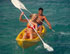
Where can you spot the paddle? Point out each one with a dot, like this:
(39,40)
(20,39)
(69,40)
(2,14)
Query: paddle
(20,6)
(23,7)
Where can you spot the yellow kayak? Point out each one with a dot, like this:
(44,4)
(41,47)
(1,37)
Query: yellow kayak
(26,43)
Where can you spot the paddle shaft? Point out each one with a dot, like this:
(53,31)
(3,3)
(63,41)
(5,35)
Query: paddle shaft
(46,46)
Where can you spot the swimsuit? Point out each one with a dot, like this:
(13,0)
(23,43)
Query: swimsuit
(38,25)
(31,27)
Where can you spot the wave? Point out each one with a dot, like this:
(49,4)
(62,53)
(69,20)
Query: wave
(38,47)
(65,33)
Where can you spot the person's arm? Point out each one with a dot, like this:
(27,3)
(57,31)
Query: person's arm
(36,27)
(22,20)
(47,22)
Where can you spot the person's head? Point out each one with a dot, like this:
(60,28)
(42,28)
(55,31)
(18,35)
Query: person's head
(40,10)
(34,17)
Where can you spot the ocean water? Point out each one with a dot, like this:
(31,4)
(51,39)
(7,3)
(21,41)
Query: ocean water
(57,13)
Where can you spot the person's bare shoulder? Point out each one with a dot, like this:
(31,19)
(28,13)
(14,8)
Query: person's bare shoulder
(44,16)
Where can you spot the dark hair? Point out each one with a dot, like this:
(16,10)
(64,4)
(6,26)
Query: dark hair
(40,9)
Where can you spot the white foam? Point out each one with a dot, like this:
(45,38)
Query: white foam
(38,47)
(65,33)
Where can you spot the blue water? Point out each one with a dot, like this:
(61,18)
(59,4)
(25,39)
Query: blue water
(56,11)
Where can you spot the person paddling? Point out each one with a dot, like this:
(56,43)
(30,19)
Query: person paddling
(41,18)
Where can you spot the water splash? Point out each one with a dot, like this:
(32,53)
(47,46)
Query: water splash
(38,47)
(65,33)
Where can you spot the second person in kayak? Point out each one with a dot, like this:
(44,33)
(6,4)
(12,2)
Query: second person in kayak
(30,27)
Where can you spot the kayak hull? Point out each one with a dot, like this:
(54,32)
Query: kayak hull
(26,43)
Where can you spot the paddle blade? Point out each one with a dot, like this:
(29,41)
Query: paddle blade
(18,4)
(22,5)
(49,48)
